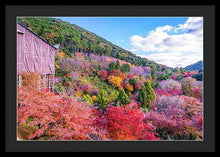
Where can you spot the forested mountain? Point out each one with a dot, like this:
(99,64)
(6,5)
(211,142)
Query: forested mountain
(73,38)
(194,67)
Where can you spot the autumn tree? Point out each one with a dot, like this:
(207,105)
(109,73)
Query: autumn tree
(103,74)
(115,81)
(117,73)
(129,88)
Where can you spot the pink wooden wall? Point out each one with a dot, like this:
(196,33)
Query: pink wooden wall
(33,54)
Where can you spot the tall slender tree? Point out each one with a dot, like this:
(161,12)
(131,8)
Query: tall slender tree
(122,98)
(118,66)
(146,96)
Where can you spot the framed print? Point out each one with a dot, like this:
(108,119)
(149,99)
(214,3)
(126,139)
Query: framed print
(111,78)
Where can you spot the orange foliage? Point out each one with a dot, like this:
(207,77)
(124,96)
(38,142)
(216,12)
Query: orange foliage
(117,73)
(108,59)
(32,81)
(79,56)
(43,115)
(115,81)
(129,88)
(61,54)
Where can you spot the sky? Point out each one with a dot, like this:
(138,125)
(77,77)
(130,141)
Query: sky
(172,41)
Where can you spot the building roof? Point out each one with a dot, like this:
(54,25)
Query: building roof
(56,47)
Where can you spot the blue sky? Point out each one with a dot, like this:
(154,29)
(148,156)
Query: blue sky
(155,38)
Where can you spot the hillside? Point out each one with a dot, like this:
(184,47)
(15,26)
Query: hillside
(194,67)
(98,95)
(73,38)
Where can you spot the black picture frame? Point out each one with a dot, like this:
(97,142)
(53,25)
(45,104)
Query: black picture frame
(13,11)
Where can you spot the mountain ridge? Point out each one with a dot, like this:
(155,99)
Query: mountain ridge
(195,66)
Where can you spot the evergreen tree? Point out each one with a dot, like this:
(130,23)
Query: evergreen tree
(154,71)
(151,81)
(146,96)
(111,66)
(142,96)
(122,98)
(101,100)
(149,77)
(118,66)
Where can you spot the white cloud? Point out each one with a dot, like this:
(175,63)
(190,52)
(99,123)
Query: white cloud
(173,59)
(183,47)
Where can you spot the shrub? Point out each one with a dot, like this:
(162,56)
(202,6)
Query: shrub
(169,105)
(125,123)
(32,81)
(45,116)
(88,99)
(176,117)
(173,92)
(59,88)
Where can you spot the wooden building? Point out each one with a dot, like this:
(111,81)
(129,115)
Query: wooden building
(34,54)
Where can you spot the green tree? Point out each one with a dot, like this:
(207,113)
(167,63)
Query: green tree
(101,100)
(84,44)
(122,98)
(154,71)
(100,49)
(118,66)
(108,50)
(149,77)
(146,96)
(111,66)
(125,68)
(177,70)
(151,81)
(163,76)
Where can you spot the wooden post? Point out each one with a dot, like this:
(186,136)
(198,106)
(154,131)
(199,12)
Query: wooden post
(52,82)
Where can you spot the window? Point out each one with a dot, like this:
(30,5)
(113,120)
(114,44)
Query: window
(50,82)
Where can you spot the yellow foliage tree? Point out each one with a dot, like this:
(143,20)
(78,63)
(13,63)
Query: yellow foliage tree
(115,81)
(129,88)
(124,55)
